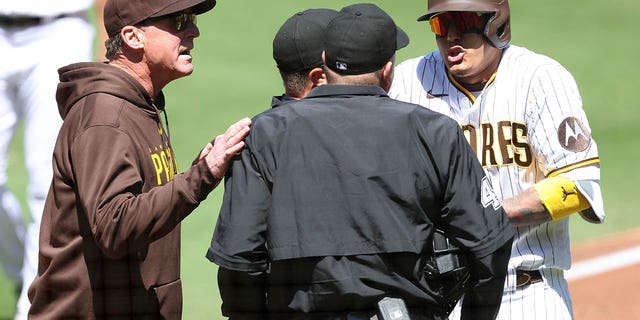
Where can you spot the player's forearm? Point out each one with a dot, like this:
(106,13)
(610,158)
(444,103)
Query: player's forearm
(526,209)
(553,198)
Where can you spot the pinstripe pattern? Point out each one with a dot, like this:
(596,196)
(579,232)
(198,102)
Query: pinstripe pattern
(513,127)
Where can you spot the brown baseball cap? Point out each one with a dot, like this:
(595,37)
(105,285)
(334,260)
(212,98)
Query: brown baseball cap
(120,13)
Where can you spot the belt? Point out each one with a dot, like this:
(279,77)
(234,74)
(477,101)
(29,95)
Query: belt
(527,277)
(29,21)
(414,314)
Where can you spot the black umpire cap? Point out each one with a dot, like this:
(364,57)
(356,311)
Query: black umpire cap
(361,39)
(299,43)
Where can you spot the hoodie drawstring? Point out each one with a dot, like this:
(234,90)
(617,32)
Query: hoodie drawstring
(167,135)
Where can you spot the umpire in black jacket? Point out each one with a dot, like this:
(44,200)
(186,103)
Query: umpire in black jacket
(333,203)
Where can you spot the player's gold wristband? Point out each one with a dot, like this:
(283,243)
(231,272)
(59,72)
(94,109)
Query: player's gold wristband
(560,196)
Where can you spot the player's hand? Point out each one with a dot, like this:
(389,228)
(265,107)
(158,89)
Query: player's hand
(219,152)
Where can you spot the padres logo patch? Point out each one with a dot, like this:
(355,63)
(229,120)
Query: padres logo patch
(573,135)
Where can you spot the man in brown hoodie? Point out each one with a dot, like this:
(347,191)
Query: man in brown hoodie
(110,234)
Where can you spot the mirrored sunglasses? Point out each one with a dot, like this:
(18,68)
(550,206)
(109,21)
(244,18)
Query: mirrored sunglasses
(464,22)
(180,21)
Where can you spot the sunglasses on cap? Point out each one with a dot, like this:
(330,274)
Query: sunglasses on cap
(180,20)
(464,21)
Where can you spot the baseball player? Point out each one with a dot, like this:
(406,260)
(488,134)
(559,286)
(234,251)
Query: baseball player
(522,114)
(36,38)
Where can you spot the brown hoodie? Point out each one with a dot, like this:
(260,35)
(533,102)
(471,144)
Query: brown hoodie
(110,233)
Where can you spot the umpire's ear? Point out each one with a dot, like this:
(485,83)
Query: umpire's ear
(386,76)
(317,77)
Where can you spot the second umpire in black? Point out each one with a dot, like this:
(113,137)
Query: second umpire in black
(333,204)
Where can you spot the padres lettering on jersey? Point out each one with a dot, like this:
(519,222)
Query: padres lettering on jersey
(163,162)
(500,144)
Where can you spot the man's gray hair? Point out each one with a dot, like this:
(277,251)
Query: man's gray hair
(113,46)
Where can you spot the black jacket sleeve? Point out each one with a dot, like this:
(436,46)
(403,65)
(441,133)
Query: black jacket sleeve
(243,294)
(482,299)
(473,218)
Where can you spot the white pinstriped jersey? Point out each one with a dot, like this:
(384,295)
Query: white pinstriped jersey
(43,8)
(527,124)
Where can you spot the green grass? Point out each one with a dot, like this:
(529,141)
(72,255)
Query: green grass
(235,76)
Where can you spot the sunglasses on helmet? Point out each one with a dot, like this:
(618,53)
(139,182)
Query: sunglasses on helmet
(180,20)
(464,22)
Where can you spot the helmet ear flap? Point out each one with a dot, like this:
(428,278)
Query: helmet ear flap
(504,32)
(498,30)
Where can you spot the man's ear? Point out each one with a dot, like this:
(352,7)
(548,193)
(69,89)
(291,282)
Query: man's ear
(387,76)
(317,76)
(133,37)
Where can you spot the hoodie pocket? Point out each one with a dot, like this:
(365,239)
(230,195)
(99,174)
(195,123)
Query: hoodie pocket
(170,299)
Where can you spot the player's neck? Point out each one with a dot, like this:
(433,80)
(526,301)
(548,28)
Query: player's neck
(477,82)
(475,87)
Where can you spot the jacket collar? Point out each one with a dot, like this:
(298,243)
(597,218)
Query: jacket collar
(351,90)
(280,100)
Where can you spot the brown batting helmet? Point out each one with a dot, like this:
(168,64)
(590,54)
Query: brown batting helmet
(498,28)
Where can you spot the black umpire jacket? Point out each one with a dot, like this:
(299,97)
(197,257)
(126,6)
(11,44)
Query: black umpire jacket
(280,100)
(333,203)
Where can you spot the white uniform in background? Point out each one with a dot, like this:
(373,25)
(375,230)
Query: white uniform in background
(36,38)
(526,125)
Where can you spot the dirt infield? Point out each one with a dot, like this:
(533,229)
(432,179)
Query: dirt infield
(612,292)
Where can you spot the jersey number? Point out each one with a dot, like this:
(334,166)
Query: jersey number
(488,196)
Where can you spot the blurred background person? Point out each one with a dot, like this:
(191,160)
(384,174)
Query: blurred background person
(36,38)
